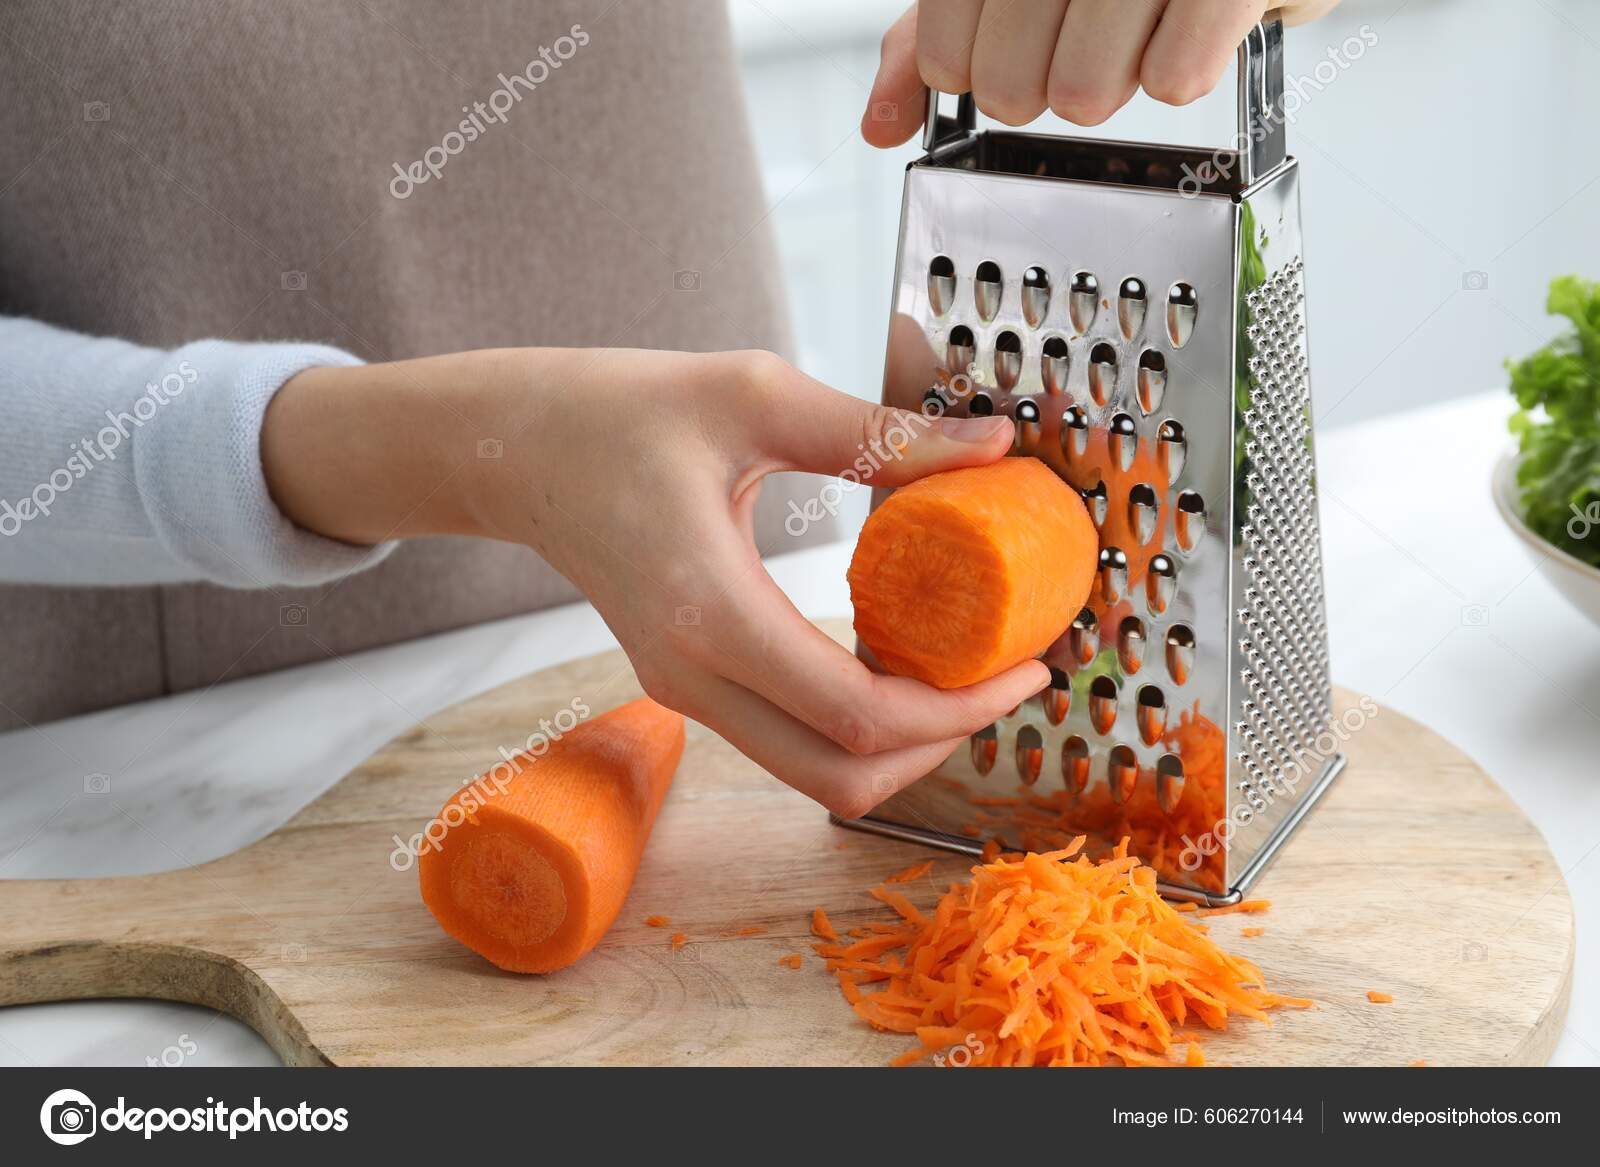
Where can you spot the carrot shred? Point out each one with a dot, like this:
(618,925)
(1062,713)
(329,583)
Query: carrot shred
(1251,931)
(658,921)
(1378,998)
(1241,906)
(753,930)
(991,851)
(793,960)
(1416,1064)
(1048,959)
(911,873)
(822,926)
(1184,906)
(679,939)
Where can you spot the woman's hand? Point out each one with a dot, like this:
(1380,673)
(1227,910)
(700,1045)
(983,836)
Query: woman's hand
(635,475)
(1081,59)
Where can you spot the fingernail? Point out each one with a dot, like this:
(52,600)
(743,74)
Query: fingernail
(973,429)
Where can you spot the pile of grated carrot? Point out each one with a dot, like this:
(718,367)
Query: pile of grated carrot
(1047,959)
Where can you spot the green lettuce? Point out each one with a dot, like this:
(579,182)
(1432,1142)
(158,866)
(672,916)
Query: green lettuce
(1557,424)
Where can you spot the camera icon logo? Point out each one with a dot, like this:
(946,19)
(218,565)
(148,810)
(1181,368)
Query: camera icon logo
(1474,281)
(293,615)
(96,111)
(885,111)
(294,281)
(687,616)
(97,783)
(491,448)
(1475,616)
(67,1117)
(686,280)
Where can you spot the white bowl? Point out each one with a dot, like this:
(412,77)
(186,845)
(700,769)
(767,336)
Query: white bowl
(1576,580)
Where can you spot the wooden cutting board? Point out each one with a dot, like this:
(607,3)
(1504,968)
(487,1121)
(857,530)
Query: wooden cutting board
(1416,876)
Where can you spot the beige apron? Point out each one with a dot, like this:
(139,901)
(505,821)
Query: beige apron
(216,168)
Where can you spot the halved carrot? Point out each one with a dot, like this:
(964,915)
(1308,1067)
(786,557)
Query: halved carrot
(531,872)
(1378,998)
(960,575)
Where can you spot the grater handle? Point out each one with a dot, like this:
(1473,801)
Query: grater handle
(1260,141)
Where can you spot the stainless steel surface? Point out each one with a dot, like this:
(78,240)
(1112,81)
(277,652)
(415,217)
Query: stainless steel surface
(1190,697)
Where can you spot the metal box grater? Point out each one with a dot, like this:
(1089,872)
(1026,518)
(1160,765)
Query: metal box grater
(1137,309)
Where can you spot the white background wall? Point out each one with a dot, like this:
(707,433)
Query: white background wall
(1465,141)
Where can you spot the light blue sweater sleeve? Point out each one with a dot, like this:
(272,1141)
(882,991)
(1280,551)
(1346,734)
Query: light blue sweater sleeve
(121,464)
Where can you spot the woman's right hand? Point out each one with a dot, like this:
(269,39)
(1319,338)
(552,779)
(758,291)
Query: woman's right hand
(635,475)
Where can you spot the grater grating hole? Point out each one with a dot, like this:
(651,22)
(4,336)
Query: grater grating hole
(1180,653)
(1123,437)
(1130,307)
(1144,509)
(1007,360)
(1113,574)
(1172,450)
(1074,433)
(987,289)
(1131,644)
(1190,521)
(1169,782)
(1027,419)
(982,405)
(1083,301)
(1122,773)
(941,284)
(1075,764)
(1097,503)
(1183,306)
(1035,296)
(1152,385)
(1160,583)
(1053,365)
(985,749)
(960,349)
(1057,698)
(1150,711)
(1030,755)
(1082,636)
(1102,372)
(1103,703)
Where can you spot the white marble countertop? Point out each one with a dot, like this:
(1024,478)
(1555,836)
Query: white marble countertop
(1435,611)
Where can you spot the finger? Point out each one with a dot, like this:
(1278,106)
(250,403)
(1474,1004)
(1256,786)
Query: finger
(764,644)
(844,783)
(1193,46)
(1011,59)
(946,30)
(899,99)
(1095,69)
(811,427)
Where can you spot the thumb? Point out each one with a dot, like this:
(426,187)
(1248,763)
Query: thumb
(827,432)
(899,99)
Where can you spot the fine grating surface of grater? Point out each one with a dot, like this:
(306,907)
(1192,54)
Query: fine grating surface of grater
(1138,311)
